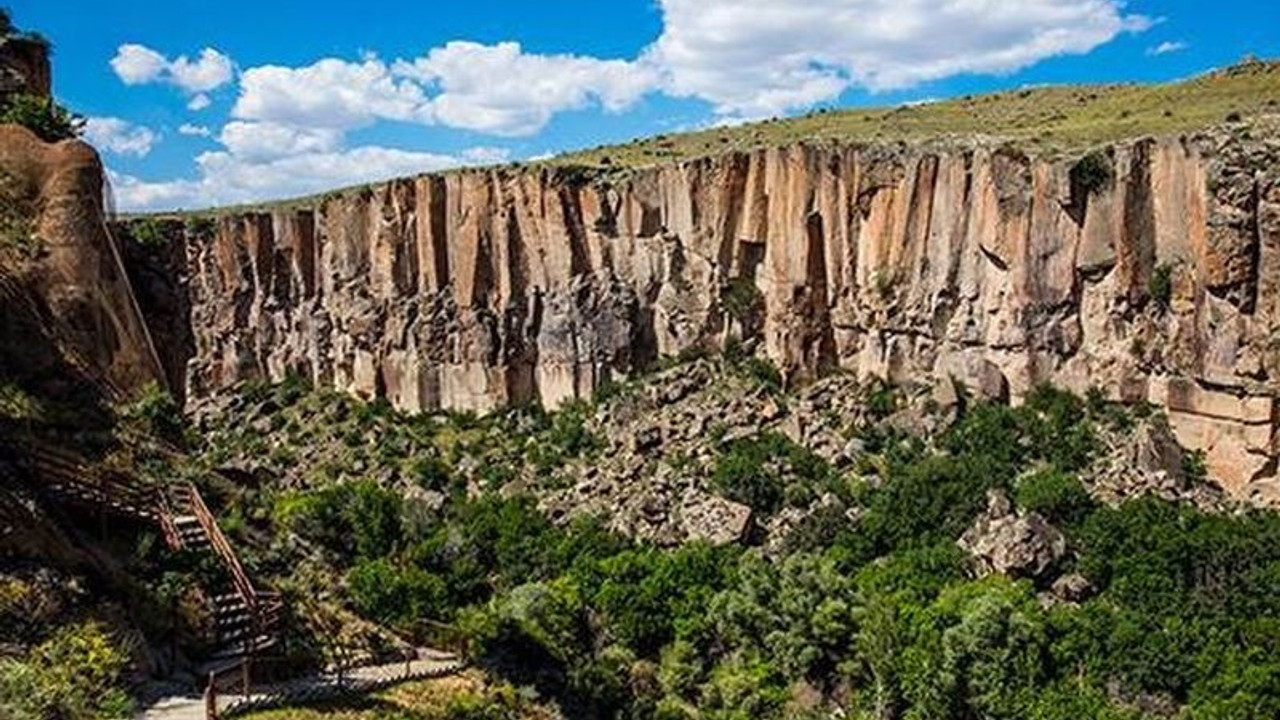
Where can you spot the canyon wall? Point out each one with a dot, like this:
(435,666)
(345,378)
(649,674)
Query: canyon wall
(68,316)
(1148,271)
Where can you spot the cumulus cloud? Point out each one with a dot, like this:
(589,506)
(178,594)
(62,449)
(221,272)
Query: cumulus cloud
(495,89)
(139,65)
(757,57)
(119,137)
(225,178)
(502,90)
(331,93)
(192,130)
(264,140)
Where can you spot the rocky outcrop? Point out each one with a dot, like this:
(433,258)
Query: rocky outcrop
(1007,541)
(1152,276)
(69,313)
(24,67)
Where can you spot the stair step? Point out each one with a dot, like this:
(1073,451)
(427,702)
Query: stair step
(238,648)
(230,621)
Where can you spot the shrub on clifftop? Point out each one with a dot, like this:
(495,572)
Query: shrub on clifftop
(47,119)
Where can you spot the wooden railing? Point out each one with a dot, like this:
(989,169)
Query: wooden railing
(239,578)
(72,478)
(240,689)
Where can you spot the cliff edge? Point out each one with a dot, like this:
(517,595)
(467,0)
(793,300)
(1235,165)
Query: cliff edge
(1147,269)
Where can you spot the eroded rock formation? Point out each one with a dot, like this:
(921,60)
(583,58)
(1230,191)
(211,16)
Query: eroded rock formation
(1149,272)
(68,307)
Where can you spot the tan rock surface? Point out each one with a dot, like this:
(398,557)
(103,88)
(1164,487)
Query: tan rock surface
(67,301)
(482,288)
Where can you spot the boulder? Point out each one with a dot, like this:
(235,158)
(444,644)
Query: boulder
(1006,541)
(715,520)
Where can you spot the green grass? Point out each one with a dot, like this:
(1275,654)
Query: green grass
(1051,121)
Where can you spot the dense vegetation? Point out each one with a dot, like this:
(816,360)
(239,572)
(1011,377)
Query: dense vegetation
(881,617)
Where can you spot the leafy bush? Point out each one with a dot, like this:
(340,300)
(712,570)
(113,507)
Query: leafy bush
(568,437)
(358,520)
(756,471)
(762,371)
(76,674)
(396,595)
(881,399)
(647,598)
(742,300)
(148,231)
(1057,496)
(158,412)
(48,120)
(799,613)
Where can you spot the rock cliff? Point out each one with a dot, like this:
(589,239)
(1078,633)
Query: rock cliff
(70,324)
(1148,269)
(69,312)
(24,66)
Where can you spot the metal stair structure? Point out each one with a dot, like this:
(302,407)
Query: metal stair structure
(246,620)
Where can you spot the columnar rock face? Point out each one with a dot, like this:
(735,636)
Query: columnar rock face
(1149,271)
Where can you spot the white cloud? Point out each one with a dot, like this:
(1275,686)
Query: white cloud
(502,90)
(760,57)
(138,65)
(119,136)
(264,140)
(194,130)
(211,71)
(495,89)
(227,179)
(329,94)
(486,155)
(1166,48)
(199,102)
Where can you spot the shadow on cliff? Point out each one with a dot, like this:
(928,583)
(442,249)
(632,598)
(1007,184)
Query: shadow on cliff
(44,395)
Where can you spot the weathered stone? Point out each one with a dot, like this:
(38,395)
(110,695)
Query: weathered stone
(482,288)
(646,439)
(1072,588)
(1013,543)
(68,306)
(715,520)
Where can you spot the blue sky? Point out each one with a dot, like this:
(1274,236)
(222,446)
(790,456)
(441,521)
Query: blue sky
(198,103)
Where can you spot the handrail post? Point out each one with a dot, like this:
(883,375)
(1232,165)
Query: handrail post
(211,698)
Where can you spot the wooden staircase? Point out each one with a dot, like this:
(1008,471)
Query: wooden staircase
(246,621)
